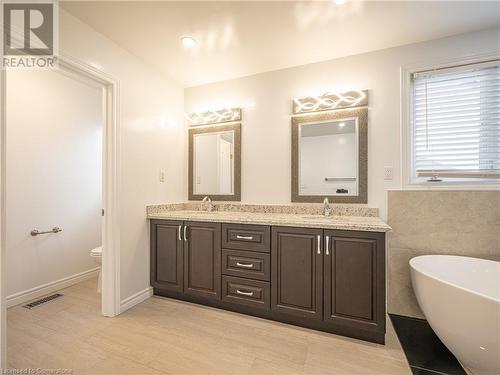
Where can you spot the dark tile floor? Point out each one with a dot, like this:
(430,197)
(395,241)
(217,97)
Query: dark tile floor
(421,371)
(424,351)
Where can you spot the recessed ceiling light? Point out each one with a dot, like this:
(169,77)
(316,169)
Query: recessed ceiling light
(188,42)
(340,2)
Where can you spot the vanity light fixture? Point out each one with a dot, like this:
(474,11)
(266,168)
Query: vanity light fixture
(188,41)
(330,101)
(215,117)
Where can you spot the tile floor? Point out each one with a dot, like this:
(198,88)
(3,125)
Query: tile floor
(163,336)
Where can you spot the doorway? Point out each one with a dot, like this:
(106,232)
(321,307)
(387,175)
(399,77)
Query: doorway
(108,88)
(54,182)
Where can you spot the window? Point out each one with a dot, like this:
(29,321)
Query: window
(455,124)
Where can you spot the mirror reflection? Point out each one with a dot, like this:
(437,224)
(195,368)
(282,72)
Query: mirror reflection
(328,158)
(213,172)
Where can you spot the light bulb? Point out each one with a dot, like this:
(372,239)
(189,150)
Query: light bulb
(188,42)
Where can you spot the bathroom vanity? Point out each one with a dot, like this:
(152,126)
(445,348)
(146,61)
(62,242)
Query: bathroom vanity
(324,273)
(304,264)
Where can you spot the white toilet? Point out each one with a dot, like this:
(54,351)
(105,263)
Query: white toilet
(97,255)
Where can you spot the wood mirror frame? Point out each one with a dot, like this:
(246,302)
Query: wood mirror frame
(362,115)
(236,128)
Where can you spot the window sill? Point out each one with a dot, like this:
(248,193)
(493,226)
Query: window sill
(452,186)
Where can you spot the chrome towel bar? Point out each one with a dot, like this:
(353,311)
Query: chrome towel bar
(328,179)
(36,232)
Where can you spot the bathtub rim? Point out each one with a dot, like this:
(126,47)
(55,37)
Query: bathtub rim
(447,282)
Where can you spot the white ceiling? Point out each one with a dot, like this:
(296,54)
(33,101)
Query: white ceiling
(236,39)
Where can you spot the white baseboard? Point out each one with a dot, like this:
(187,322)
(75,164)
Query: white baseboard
(42,290)
(135,299)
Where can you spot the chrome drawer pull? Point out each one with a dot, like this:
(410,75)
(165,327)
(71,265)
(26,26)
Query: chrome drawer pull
(327,251)
(185,235)
(180,228)
(244,237)
(250,294)
(319,244)
(246,265)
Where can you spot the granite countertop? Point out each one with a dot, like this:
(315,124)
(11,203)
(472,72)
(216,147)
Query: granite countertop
(361,223)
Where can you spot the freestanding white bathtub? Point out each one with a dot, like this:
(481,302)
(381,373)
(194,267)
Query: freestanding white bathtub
(460,297)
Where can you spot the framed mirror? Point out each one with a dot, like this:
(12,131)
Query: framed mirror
(215,162)
(330,157)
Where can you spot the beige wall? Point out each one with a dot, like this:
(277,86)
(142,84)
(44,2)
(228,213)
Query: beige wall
(266,100)
(437,222)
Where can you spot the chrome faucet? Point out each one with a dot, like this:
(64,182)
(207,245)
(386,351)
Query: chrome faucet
(327,210)
(210,205)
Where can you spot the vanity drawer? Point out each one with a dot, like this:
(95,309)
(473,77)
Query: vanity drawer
(250,293)
(246,237)
(246,264)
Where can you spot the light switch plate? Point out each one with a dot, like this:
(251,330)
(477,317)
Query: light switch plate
(388,173)
(162,175)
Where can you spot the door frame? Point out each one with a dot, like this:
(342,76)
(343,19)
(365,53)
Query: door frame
(110,190)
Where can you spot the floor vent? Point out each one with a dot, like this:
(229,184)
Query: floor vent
(43,300)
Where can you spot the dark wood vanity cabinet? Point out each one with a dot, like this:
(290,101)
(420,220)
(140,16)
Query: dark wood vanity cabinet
(246,267)
(186,258)
(202,265)
(332,276)
(354,280)
(330,280)
(297,272)
(167,263)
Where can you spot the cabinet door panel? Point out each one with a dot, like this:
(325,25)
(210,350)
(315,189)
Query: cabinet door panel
(355,280)
(202,260)
(297,272)
(166,255)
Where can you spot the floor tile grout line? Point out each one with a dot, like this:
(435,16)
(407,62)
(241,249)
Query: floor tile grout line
(428,369)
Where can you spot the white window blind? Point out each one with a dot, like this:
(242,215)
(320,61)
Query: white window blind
(456,123)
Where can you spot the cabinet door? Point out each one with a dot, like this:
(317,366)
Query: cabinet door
(202,260)
(166,255)
(355,279)
(297,271)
